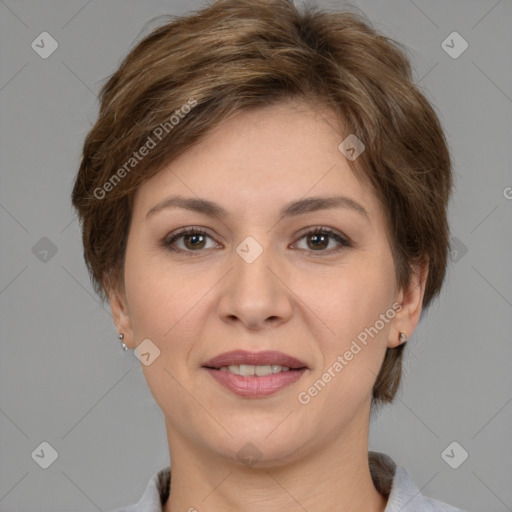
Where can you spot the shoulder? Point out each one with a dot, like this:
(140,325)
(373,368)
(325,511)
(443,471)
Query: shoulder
(406,497)
(403,494)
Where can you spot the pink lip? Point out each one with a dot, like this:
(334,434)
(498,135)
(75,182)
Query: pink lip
(254,386)
(237,357)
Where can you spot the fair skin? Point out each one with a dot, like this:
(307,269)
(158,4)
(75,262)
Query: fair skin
(299,296)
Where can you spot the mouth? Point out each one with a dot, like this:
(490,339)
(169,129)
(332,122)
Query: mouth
(255,374)
(249,370)
(245,363)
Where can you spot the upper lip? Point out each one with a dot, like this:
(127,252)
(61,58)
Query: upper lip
(266,357)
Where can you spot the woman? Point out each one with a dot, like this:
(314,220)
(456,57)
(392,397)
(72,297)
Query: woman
(263,203)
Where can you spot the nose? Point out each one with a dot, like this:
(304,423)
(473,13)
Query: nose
(256,291)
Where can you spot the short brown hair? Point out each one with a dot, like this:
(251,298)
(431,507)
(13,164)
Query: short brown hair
(242,54)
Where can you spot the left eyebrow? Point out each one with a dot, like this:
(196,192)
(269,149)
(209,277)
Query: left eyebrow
(292,209)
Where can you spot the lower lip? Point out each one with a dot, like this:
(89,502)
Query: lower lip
(253,386)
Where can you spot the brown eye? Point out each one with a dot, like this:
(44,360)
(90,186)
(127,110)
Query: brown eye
(193,241)
(318,240)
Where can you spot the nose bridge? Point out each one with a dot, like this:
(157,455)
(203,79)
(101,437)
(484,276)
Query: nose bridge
(252,260)
(253,292)
(250,250)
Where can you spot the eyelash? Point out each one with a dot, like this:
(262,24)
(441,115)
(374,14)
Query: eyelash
(344,242)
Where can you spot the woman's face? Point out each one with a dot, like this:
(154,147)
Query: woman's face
(254,281)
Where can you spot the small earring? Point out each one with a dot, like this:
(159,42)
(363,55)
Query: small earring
(121,336)
(402,338)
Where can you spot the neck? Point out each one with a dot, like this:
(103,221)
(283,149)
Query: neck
(335,477)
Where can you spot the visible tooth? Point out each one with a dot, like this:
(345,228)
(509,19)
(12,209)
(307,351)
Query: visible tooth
(234,368)
(247,369)
(263,370)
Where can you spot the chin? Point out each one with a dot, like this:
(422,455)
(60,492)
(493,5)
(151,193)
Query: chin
(256,444)
(263,453)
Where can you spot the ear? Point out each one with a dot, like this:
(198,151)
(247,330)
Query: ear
(120,313)
(411,300)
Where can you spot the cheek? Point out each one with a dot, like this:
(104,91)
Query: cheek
(161,303)
(347,299)
(160,296)
(351,358)
(353,337)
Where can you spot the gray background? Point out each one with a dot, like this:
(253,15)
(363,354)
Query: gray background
(63,376)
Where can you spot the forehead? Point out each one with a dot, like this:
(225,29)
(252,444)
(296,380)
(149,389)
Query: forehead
(259,160)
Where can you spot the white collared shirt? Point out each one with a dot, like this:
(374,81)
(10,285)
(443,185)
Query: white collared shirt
(389,479)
